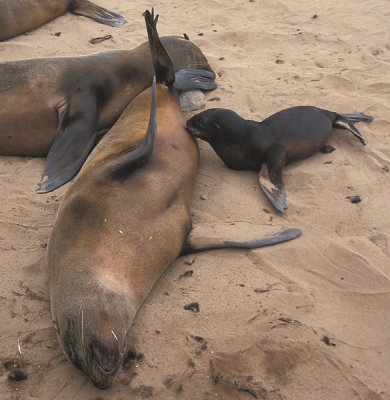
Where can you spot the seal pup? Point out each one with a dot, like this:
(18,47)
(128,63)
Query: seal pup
(284,137)
(123,221)
(57,106)
(19,16)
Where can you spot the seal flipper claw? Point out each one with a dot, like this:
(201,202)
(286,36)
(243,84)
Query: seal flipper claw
(91,10)
(190,79)
(72,144)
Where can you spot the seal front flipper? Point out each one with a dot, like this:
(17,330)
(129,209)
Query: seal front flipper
(273,187)
(202,238)
(190,79)
(91,10)
(73,142)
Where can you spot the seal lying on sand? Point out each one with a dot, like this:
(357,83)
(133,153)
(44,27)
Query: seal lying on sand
(19,16)
(284,137)
(71,99)
(123,221)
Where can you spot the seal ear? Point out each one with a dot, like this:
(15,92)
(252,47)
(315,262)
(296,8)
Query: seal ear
(88,9)
(73,142)
(216,126)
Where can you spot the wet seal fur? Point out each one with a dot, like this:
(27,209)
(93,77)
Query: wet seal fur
(57,106)
(19,16)
(123,221)
(284,137)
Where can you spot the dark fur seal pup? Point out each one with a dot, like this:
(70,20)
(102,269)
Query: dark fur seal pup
(62,103)
(19,16)
(284,137)
(123,221)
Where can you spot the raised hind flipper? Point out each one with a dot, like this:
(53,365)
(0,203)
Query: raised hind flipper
(162,61)
(73,142)
(97,13)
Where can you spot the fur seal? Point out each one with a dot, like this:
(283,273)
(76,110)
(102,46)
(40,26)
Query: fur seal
(123,221)
(19,16)
(62,103)
(284,137)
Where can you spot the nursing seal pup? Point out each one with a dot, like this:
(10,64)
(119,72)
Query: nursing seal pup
(284,137)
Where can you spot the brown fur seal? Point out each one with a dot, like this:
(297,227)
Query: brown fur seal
(70,99)
(19,16)
(123,221)
(284,137)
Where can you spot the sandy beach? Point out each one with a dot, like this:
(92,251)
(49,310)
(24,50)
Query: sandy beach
(307,319)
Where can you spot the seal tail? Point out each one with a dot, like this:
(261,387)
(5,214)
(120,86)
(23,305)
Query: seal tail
(197,243)
(91,10)
(346,121)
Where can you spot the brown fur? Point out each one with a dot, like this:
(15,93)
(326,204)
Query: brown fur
(112,240)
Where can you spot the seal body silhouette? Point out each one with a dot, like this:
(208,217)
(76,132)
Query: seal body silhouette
(57,106)
(284,137)
(123,221)
(19,16)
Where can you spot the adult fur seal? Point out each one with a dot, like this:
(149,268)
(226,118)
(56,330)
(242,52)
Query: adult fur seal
(19,16)
(62,103)
(284,137)
(122,222)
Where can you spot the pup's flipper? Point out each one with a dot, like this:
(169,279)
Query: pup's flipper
(273,186)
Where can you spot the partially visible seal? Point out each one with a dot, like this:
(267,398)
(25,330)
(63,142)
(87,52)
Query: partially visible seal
(19,16)
(62,103)
(284,137)
(123,221)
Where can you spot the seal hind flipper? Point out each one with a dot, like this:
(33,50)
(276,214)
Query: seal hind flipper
(162,61)
(339,124)
(358,117)
(196,242)
(125,162)
(190,79)
(72,144)
(91,10)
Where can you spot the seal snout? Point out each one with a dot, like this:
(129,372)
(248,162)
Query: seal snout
(104,358)
(195,126)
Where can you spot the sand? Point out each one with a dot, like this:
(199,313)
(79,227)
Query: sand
(307,319)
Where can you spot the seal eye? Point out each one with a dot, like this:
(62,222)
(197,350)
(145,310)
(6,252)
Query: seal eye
(217,126)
